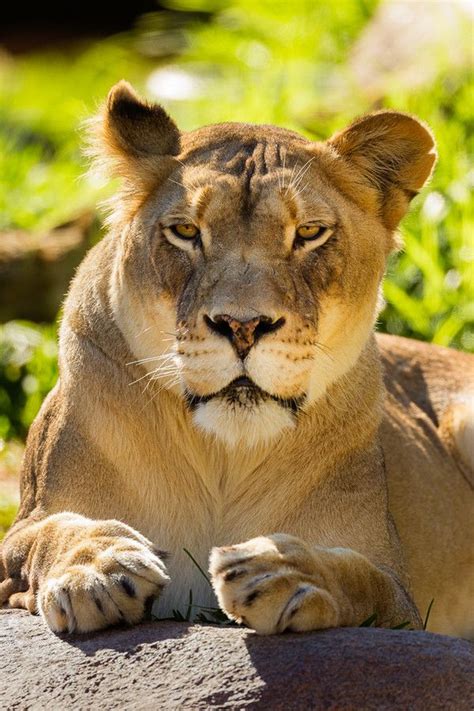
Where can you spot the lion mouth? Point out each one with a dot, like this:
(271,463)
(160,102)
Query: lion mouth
(245,393)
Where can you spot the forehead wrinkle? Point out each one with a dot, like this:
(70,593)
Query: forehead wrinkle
(268,161)
(247,172)
(180,208)
(233,158)
(199,189)
(290,204)
(247,162)
(313,205)
(262,162)
(200,201)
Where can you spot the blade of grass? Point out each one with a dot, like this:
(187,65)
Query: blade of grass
(178,616)
(427,616)
(401,626)
(370,621)
(190,606)
(198,567)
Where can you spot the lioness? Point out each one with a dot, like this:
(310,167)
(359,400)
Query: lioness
(221,388)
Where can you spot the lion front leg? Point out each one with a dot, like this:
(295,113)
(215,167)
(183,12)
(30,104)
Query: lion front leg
(80,575)
(278,582)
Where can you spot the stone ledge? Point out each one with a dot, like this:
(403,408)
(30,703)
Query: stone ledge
(170,665)
(35,269)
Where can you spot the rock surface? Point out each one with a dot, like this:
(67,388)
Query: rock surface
(35,269)
(168,665)
(411,45)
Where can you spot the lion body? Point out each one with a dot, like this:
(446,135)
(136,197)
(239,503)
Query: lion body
(370,484)
(430,477)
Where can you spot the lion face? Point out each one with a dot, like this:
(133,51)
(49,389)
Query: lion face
(251,260)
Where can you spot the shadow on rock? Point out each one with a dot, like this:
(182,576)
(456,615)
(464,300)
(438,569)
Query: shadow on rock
(124,639)
(363,668)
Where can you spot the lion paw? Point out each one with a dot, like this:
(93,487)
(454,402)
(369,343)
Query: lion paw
(111,588)
(269,584)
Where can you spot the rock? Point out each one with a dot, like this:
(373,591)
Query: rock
(168,665)
(35,269)
(408,45)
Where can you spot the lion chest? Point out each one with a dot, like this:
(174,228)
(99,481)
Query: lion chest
(186,515)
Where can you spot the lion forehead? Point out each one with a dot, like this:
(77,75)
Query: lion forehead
(236,165)
(220,135)
(235,149)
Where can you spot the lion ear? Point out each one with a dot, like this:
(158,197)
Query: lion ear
(393,152)
(134,136)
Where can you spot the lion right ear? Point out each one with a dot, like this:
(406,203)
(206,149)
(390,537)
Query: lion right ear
(392,152)
(137,138)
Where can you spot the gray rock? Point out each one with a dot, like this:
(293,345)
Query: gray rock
(35,269)
(168,665)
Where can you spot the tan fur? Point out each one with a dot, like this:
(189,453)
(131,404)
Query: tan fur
(325,496)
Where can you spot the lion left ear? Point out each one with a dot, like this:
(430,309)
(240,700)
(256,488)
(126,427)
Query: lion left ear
(135,138)
(393,152)
(137,127)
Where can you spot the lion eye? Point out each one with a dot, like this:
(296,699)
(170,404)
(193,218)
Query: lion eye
(312,235)
(185,231)
(309,232)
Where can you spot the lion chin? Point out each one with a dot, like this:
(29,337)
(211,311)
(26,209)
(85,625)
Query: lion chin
(242,413)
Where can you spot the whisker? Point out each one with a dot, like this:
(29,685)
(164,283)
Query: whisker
(158,391)
(163,356)
(147,386)
(291,177)
(142,360)
(299,191)
(138,380)
(182,332)
(165,368)
(177,182)
(191,185)
(324,349)
(154,379)
(299,177)
(163,374)
(145,330)
(283,170)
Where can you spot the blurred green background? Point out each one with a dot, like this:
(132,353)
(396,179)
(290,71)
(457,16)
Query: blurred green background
(310,65)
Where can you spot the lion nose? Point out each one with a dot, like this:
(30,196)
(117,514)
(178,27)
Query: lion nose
(243,334)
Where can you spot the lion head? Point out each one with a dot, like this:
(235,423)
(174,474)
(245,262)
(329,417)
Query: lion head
(249,258)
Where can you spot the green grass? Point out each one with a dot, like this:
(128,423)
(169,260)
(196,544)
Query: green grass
(44,99)
(7,514)
(199,613)
(372,621)
(28,371)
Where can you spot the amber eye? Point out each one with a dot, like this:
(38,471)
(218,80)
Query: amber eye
(185,230)
(309,232)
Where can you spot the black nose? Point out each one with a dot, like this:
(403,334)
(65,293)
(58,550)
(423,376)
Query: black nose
(243,334)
